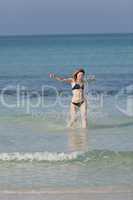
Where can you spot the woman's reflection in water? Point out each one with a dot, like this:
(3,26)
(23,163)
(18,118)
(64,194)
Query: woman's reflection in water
(78,140)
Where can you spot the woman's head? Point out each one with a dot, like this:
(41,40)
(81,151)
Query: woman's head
(79,74)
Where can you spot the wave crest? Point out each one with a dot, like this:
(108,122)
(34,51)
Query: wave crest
(38,156)
(80,156)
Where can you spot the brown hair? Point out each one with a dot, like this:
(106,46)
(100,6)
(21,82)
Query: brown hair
(76,73)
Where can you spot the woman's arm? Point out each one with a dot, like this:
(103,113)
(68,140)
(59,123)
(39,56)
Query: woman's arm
(67,80)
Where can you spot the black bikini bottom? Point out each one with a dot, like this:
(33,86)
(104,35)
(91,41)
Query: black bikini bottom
(78,104)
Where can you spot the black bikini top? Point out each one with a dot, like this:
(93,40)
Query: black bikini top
(77,86)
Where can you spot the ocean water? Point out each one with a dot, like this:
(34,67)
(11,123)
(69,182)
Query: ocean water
(37,149)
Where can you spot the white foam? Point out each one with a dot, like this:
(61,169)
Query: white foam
(38,156)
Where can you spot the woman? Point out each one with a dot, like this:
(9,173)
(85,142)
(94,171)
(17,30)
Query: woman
(78,99)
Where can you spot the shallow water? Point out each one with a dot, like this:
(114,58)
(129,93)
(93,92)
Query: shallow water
(37,149)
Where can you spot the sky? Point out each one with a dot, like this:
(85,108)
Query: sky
(65,16)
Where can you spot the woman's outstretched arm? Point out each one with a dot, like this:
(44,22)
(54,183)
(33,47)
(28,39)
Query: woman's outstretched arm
(67,80)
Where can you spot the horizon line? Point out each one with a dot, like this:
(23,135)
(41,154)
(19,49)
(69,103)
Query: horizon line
(63,34)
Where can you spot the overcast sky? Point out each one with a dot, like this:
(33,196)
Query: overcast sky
(65,16)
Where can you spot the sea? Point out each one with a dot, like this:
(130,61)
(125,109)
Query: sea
(37,148)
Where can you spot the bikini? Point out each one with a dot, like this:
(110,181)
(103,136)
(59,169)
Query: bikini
(77,87)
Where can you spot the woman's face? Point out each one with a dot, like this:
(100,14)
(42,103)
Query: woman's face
(80,76)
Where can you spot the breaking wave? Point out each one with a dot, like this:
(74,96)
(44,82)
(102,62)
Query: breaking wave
(94,155)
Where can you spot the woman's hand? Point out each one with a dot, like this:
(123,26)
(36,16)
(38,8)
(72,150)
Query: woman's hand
(92,78)
(51,75)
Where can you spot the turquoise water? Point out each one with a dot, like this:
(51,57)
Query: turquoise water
(37,149)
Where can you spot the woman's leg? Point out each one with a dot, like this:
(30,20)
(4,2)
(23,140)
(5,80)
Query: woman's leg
(83,110)
(73,114)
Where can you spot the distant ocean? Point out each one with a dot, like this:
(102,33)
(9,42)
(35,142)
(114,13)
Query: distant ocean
(37,150)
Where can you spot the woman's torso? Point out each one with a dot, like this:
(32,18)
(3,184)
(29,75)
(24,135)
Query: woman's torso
(77,91)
